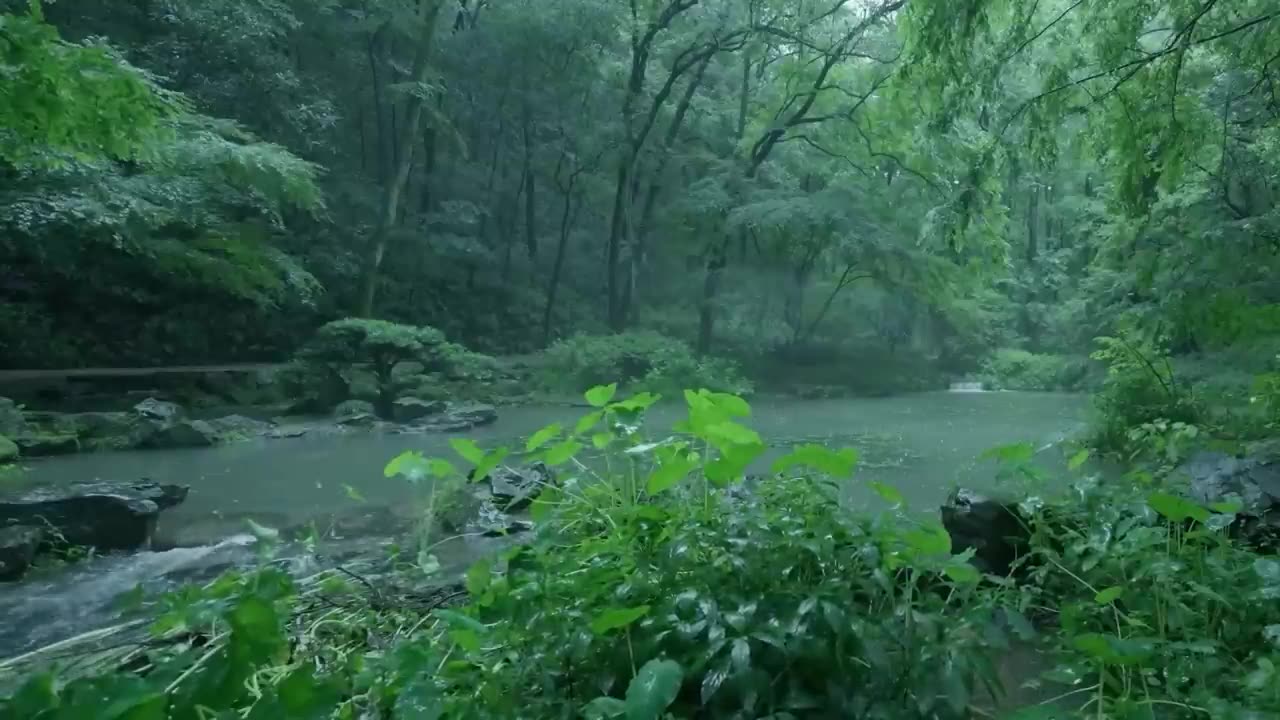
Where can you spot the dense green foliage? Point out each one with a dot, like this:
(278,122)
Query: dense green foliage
(673,586)
(641,360)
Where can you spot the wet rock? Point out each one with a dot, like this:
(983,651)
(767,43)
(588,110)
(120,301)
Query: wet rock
(492,522)
(8,450)
(409,409)
(154,409)
(240,426)
(359,420)
(463,417)
(109,430)
(11,420)
(282,433)
(47,445)
(18,546)
(516,488)
(107,516)
(1253,481)
(353,408)
(181,434)
(993,528)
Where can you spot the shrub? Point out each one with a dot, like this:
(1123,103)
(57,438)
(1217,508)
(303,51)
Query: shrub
(338,348)
(640,360)
(1015,369)
(1140,389)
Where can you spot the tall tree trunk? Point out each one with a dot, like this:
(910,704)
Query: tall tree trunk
(710,289)
(567,216)
(1032,253)
(530,209)
(395,184)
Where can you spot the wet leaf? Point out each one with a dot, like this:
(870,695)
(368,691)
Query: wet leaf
(740,654)
(479,577)
(669,474)
(614,618)
(466,449)
(712,680)
(562,452)
(1078,459)
(542,437)
(1105,597)
(963,573)
(406,463)
(588,421)
(420,700)
(1011,454)
(1176,509)
(600,395)
(635,403)
(653,689)
(831,462)
(603,708)
(889,493)
(353,493)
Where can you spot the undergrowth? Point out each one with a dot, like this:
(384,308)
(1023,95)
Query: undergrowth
(671,584)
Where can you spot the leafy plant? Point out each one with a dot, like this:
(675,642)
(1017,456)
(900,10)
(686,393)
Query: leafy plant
(639,360)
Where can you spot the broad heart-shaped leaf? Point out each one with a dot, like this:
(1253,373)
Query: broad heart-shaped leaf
(467,450)
(669,474)
(614,618)
(732,405)
(542,437)
(835,463)
(588,421)
(408,463)
(732,464)
(479,576)
(963,573)
(1013,454)
(1176,509)
(562,452)
(653,689)
(438,467)
(487,464)
(600,395)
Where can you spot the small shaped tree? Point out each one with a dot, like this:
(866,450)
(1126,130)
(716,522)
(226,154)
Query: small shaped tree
(379,345)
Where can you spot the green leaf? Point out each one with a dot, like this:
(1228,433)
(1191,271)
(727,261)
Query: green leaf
(732,464)
(963,573)
(545,504)
(421,699)
(262,532)
(479,577)
(406,463)
(653,689)
(1176,509)
(669,474)
(929,540)
(562,452)
(353,493)
(1108,596)
(588,421)
(603,708)
(889,493)
(1269,570)
(1078,459)
(455,619)
(831,462)
(487,464)
(467,450)
(441,468)
(541,437)
(600,395)
(636,403)
(601,441)
(1013,454)
(614,618)
(733,405)
(466,639)
(1227,508)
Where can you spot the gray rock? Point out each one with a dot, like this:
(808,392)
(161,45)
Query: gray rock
(182,434)
(107,516)
(18,546)
(158,410)
(359,420)
(47,445)
(1253,481)
(8,450)
(240,426)
(287,432)
(352,408)
(11,420)
(994,529)
(516,488)
(409,409)
(463,417)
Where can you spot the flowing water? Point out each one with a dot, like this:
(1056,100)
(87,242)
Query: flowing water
(922,444)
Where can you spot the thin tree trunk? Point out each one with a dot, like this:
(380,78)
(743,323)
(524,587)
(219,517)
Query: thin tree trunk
(710,289)
(395,185)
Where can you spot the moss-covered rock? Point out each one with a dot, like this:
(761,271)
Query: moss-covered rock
(8,450)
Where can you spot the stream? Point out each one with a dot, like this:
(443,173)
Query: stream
(923,444)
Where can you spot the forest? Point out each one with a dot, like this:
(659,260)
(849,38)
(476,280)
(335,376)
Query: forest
(714,264)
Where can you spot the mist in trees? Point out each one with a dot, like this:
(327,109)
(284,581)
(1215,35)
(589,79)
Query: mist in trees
(916,183)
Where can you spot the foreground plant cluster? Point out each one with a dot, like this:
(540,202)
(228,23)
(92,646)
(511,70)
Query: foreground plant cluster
(669,583)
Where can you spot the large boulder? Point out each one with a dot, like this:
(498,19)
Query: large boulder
(8,450)
(463,417)
(411,409)
(994,529)
(11,420)
(240,426)
(515,489)
(106,516)
(181,434)
(18,546)
(1253,481)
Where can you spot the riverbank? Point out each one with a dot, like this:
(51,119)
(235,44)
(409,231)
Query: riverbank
(667,583)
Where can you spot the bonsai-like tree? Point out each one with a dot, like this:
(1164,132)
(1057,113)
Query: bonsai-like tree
(379,345)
